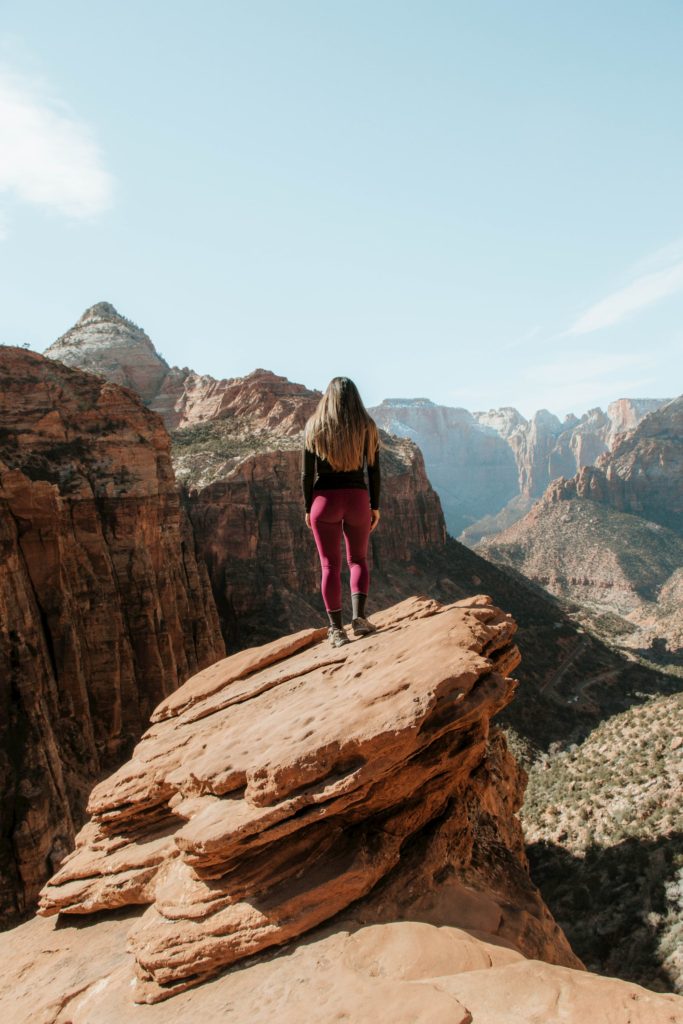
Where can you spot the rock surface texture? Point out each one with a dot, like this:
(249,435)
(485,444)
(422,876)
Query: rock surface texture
(338,827)
(104,607)
(284,783)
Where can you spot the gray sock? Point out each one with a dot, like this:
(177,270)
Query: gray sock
(358,604)
(335,618)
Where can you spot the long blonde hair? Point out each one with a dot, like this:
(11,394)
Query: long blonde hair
(341,430)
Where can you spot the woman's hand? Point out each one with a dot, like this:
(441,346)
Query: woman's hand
(308,520)
(374,518)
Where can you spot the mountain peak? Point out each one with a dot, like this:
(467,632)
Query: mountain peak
(102,311)
(103,341)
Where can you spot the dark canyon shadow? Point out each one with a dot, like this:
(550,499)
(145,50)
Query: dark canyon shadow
(617,905)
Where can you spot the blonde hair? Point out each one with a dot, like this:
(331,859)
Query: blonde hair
(341,430)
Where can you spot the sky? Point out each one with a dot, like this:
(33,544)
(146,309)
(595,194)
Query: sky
(478,203)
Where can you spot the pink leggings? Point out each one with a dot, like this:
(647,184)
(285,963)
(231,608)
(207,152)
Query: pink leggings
(335,510)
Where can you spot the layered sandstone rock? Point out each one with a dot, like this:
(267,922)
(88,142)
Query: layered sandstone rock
(104,607)
(353,807)
(589,552)
(286,782)
(400,972)
(626,413)
(265,401)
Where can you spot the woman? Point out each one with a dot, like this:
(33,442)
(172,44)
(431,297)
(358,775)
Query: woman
(339,439)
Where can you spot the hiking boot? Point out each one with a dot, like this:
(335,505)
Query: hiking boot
(362,626)
(337,636)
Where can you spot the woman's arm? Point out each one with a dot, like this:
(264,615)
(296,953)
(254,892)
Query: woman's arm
(307,475)
(374,479)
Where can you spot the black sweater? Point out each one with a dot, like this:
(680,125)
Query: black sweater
(328,477)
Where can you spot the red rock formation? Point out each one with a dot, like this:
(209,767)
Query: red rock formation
(265,400)
(104,608)
(626,413)
(357,796)
(294,755)
(405,972)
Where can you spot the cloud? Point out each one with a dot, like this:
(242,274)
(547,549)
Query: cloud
(48,156)
(580,381)
(644,290)
(582,368)
(517,342)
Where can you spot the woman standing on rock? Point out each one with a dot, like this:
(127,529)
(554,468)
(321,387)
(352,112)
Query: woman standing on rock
(339,439)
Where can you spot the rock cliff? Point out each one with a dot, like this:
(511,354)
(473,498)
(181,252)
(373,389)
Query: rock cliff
(642,475)
(104,606)
(611,536)
(350,810)
(471,464)
(488,467)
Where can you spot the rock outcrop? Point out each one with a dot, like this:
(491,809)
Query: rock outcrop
(104,607)
(352,809)
(286,782)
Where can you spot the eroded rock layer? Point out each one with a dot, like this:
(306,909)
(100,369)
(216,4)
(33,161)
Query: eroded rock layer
(286,782)
(104,607)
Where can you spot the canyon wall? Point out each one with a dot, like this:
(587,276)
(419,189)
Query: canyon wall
(611,536)
(104,606)
(489,467)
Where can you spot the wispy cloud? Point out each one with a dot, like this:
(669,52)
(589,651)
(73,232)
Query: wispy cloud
(48,156)
(579,381)
(649,286)
(518,342)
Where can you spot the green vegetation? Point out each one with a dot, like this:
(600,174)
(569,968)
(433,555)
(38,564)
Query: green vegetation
(603,821)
